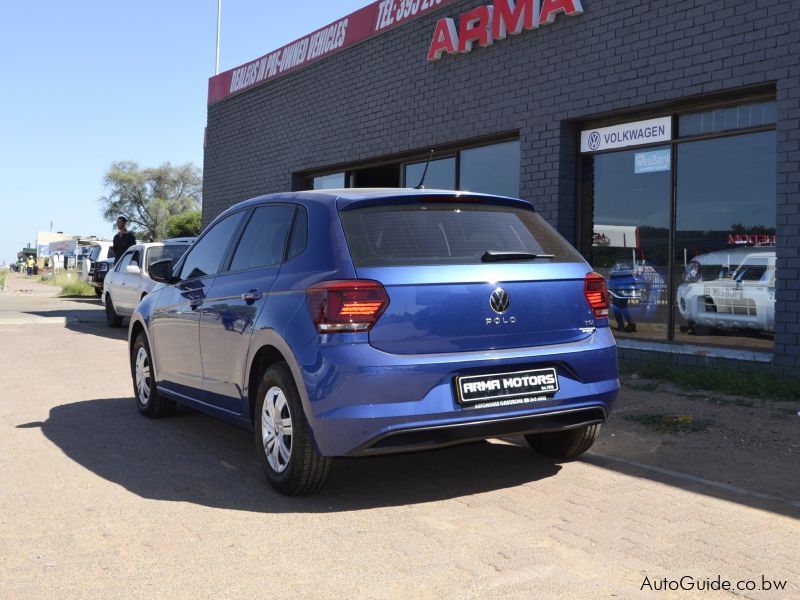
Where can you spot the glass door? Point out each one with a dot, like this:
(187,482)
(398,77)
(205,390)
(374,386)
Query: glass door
(626,207)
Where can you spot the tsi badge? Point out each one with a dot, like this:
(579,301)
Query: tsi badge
(500,302)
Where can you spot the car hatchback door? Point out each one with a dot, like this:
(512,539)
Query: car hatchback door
(176,315)
(467,276)
(234,301)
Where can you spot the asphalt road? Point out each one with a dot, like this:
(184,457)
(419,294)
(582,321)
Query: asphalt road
(96,501)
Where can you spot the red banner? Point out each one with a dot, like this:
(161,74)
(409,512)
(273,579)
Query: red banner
(363,24)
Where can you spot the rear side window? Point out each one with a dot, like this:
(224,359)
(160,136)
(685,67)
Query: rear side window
(442,234)
(264,239)
(207,254)
(299,238)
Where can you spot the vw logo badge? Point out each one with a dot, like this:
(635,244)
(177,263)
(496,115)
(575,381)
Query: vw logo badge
(594,140)
(499,301)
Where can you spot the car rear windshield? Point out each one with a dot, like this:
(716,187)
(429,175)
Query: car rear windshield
(433,233)
(170,251)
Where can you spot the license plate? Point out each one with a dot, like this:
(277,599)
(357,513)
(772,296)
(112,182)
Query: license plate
(507,388)
(729,293)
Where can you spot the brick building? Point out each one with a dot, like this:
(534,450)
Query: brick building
(661,138)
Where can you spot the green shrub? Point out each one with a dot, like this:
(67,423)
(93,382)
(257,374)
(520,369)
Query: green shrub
(758,384)
(70,284)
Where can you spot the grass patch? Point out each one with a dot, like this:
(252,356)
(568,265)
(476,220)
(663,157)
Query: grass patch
(764,385)
(70,283)
(3,277)
(670,423)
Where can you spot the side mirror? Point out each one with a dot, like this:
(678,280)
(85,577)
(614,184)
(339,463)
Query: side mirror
(132,270)
(161,271)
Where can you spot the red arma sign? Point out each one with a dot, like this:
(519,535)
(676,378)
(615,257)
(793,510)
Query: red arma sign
(485,24)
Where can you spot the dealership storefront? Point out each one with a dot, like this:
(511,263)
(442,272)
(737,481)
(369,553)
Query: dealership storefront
(662,139)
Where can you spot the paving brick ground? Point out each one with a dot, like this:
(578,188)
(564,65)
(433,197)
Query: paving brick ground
(96,501)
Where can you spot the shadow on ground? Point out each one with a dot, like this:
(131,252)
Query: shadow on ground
(91,320)
(194,458)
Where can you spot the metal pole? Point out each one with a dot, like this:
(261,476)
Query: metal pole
(219,22)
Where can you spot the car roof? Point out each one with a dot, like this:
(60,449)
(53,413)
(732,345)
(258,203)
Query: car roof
(148,245)
(346,196)
(737,251)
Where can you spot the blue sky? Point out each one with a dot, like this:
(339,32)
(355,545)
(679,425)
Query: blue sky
(87,83)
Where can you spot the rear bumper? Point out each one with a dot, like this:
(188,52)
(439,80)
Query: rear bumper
(437,436)
(360,400)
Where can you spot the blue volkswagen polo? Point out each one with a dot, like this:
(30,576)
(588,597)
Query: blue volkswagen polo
(360,322)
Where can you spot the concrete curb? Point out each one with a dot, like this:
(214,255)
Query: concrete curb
(34,321)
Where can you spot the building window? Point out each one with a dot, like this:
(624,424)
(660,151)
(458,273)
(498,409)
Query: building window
(726,119)
(630,239)
(491,169)
(724,237)
(685,232)
(441,174)
(334,181)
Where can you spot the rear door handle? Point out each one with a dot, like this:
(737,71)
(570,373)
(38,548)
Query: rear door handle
(252,296)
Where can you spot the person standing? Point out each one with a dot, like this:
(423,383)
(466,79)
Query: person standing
(123,240)
(30,264)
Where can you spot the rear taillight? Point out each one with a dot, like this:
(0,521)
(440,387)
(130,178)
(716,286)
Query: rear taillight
(346,305)
(594,287)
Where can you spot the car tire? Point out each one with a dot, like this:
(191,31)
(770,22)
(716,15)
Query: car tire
(564,444)
(296,468)
(112,318)
(149,402)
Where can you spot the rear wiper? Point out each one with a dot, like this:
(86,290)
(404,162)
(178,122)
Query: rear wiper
(500,256)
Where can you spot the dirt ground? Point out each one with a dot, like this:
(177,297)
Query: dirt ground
(748,443)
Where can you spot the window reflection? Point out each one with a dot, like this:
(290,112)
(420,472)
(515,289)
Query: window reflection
(725,241)
(629,196)
(441,174)
(334,181)
(726,119)
(491,169)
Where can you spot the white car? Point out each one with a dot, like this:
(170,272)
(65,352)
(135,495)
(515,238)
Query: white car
(721,263)
(128,282)
(745,300)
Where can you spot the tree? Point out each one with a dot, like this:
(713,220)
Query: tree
(149,197)
(186,224)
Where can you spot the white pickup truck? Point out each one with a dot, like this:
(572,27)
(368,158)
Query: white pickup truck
(744,300)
